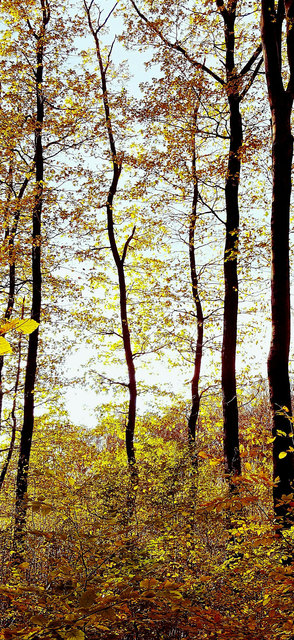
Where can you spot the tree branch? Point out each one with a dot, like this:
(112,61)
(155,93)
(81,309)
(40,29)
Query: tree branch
(178,47)
(127,244)
(251,60)
(251,80)
(116,382)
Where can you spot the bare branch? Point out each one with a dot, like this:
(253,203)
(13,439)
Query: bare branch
(251,80)
(115,382)
(211,210)
(127,244)
(107,17)
(250,62)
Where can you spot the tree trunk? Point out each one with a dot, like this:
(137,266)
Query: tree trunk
(10,233)
(119,260)
(31,367)
(281,101)
(236,90)
(130,426)
(280,396)
(230,405)
(195,292)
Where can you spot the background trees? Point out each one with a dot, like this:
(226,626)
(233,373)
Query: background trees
(235,86)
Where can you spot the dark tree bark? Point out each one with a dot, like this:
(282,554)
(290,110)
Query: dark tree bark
(12,415)
(119,260)
(236,90)
(229,389)
(10,233)
(236,85)
(281,101)
(31,366)
(195,293)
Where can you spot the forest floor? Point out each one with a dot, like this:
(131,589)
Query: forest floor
(166,552)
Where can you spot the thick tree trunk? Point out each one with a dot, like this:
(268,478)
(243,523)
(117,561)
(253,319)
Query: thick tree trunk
(280,396)
(230,405)
(31,367)
(229,390)
(281,101)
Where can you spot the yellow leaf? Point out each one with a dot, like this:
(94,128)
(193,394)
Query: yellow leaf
(282,454)
(71,482)
(26,326)
(10,324)
(202,454)
(4,347)
(24,565)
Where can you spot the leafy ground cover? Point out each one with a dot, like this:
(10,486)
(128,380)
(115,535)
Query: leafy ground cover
(166,552)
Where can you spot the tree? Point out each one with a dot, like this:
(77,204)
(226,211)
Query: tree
(280,95)
(236,85)
(195,292)
(39,35)
(119,260)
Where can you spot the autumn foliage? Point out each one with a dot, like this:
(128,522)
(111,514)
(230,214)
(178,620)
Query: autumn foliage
(135,264)
(168,553)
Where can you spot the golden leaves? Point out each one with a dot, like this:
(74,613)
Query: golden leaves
(25,327)
(4,347)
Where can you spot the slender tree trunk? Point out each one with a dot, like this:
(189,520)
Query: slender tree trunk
(195,292)
(281,101)
(230,405)
(119,260)
(10,303)
(31,367)
(12,415)
(10,233)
